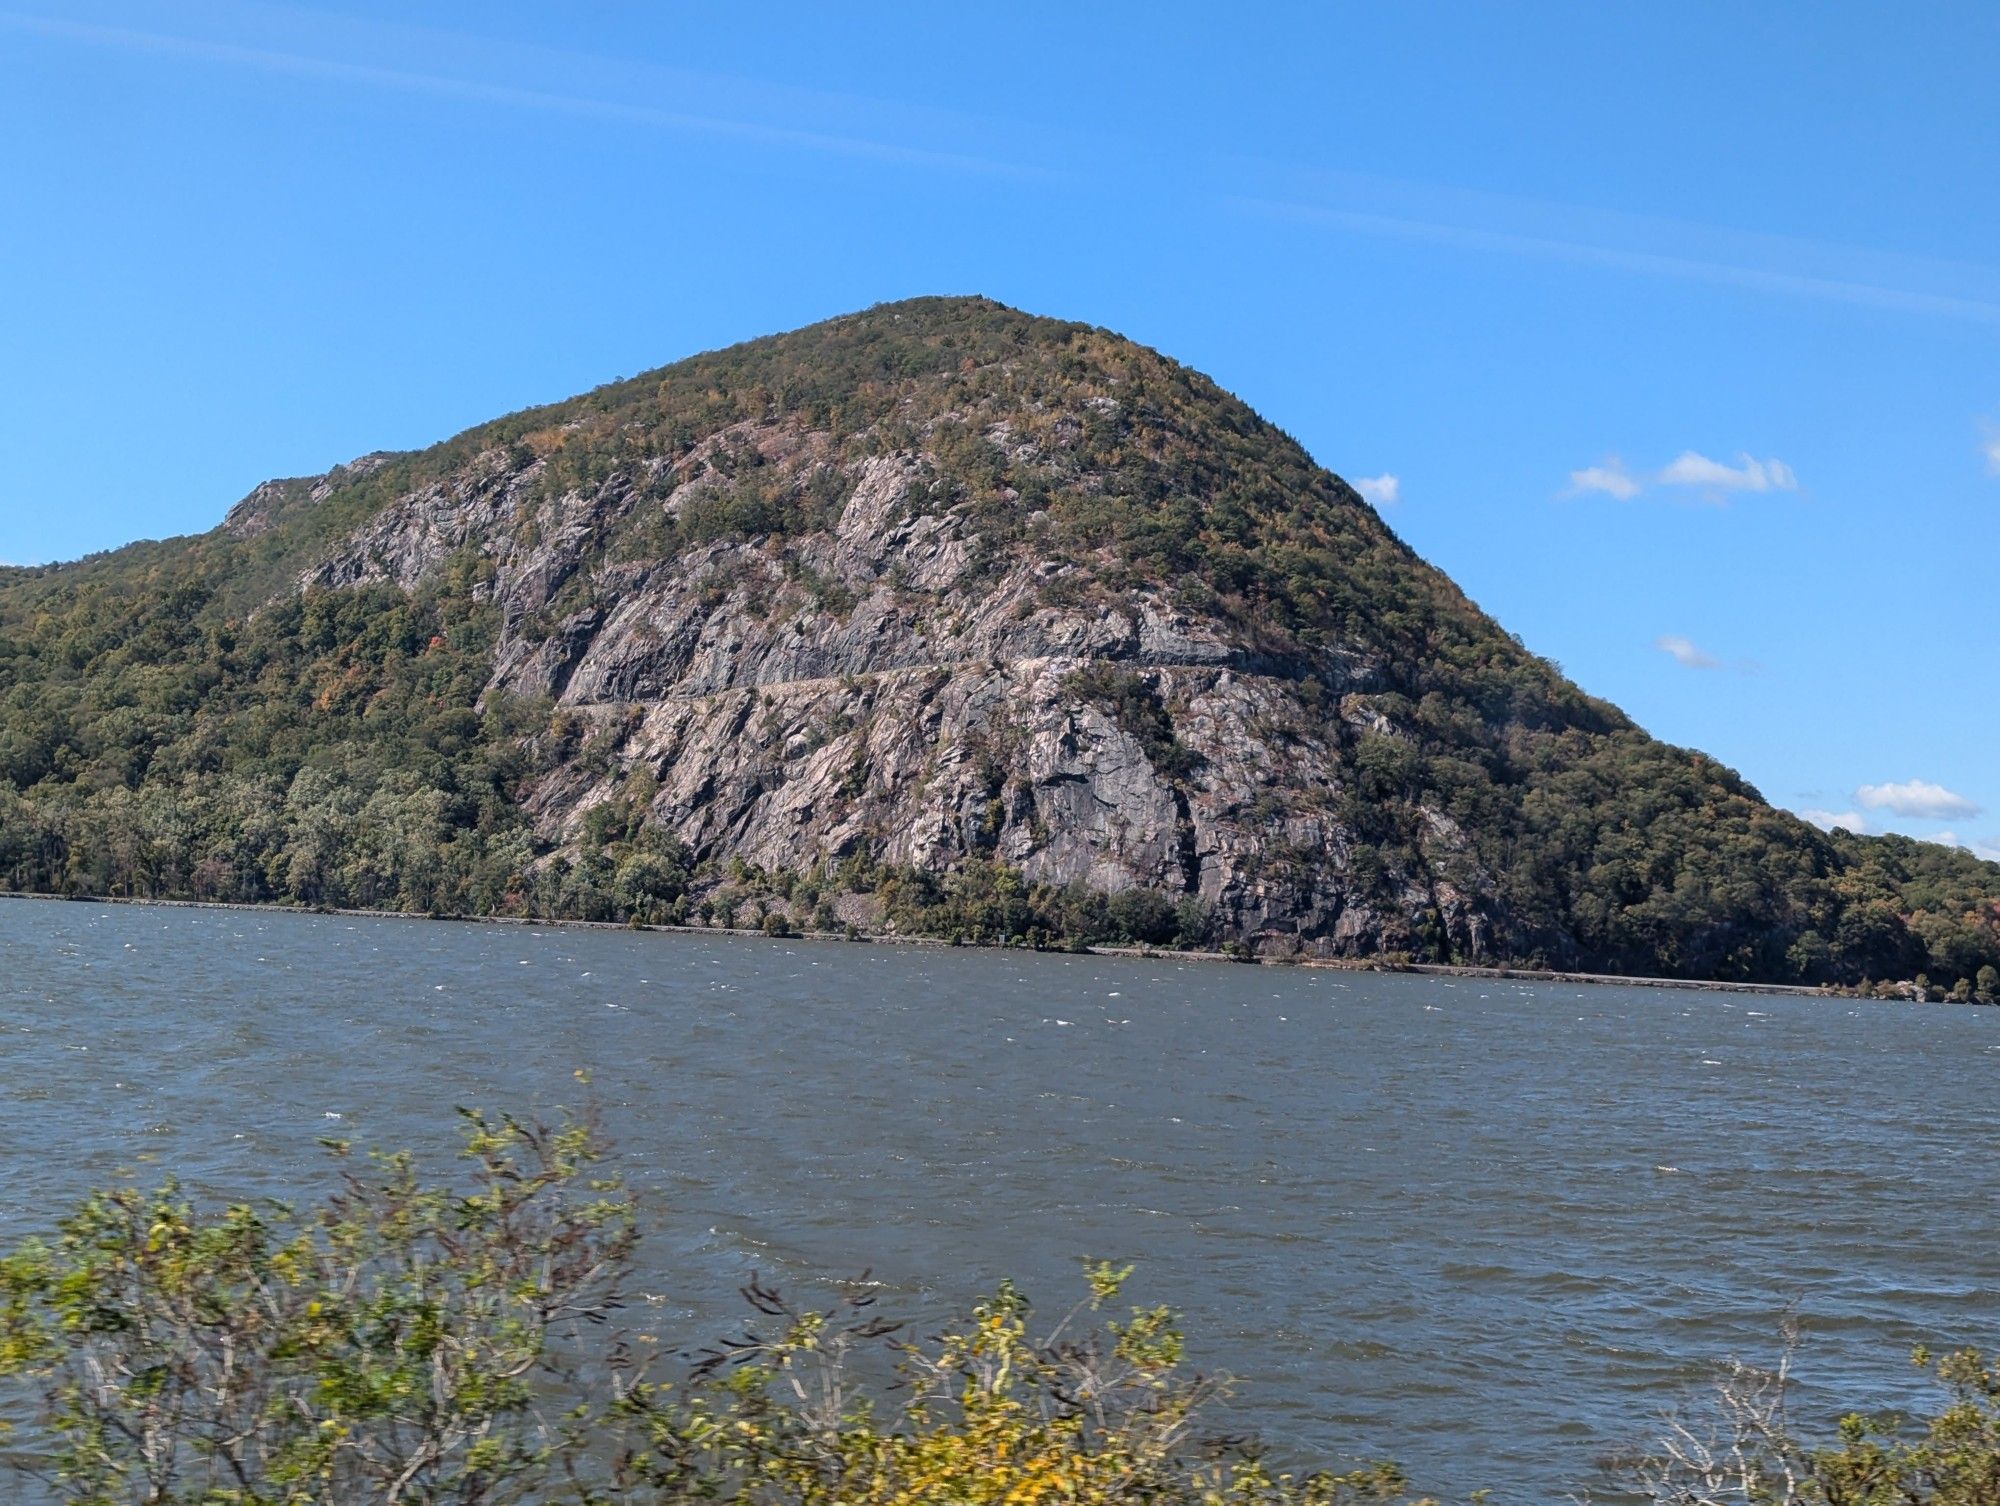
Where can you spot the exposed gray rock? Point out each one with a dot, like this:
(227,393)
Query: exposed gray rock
(888,684)
(256,512)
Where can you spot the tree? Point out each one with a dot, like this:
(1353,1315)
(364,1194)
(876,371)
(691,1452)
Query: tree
(1986,987)
(1144,915)
(645,881)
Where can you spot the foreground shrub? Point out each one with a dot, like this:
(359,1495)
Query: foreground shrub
(400,1344)
(1741,1447)
(421,1346)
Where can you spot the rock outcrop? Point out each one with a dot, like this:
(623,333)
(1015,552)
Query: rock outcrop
(889,683)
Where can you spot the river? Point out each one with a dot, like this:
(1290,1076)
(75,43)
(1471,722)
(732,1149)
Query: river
(1487,1228)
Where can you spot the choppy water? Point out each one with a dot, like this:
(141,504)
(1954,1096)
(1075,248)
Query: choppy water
(1488,1229)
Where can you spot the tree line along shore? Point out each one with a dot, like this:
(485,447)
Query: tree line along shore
(1985,991)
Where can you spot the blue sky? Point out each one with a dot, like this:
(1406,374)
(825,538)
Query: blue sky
(1671,332)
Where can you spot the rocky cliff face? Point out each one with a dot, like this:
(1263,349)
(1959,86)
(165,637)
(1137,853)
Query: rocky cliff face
(894,679)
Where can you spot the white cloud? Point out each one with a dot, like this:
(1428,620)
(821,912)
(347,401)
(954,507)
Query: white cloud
(1852,821)
(1380,491)
(1989,446)
(1683,652)
(1610,478)
(1916,798)
(1692,469)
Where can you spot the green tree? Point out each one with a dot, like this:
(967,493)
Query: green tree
(646,882)
(1810,958)
(1145,916)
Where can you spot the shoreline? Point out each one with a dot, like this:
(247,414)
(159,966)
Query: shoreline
(1334,964)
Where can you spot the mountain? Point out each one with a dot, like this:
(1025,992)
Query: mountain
(937,617)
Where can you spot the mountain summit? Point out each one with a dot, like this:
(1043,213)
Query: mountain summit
(937,616)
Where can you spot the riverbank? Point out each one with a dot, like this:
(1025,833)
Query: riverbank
(1337,964)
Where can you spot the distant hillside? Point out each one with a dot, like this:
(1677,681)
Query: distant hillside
(938,617)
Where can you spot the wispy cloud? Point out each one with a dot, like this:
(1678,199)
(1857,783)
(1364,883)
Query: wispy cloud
(1850,276)
(1384,490)
(1747,475)
(1918,799)
(381,54)
(1852,821)
(465,85)
(1989,445)
(1611,478)
(1683,652)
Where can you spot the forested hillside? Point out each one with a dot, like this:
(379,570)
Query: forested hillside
(937,617)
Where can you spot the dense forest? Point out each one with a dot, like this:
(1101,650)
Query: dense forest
(304,707)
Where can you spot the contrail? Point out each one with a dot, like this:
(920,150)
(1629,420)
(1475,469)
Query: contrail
(269,60)
(1650,263)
